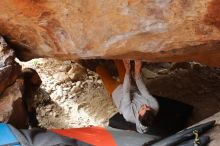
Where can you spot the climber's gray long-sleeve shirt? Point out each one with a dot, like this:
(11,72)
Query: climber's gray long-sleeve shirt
(129,101)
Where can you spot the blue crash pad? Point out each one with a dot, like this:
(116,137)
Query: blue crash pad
(7,137)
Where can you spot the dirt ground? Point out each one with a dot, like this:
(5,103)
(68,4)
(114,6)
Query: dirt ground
(74,96)
(70,95)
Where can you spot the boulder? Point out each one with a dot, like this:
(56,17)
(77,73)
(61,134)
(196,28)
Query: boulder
(9,69)
(16,86)
(11,88)
(8,98)
(158,30)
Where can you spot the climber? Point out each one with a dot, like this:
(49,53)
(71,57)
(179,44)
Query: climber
(136,105)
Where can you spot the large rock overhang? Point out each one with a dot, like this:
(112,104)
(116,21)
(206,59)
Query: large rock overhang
(158,30)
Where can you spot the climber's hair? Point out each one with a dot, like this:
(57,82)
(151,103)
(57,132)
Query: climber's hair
(148,118)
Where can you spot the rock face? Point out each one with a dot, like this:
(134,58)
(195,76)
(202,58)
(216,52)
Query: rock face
(158,30)
(15,85)
(11,109)
(11,87)
(9,69)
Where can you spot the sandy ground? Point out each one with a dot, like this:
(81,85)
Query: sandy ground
(73,96)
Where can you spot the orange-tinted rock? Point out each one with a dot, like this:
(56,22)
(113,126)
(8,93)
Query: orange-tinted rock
(159,30)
